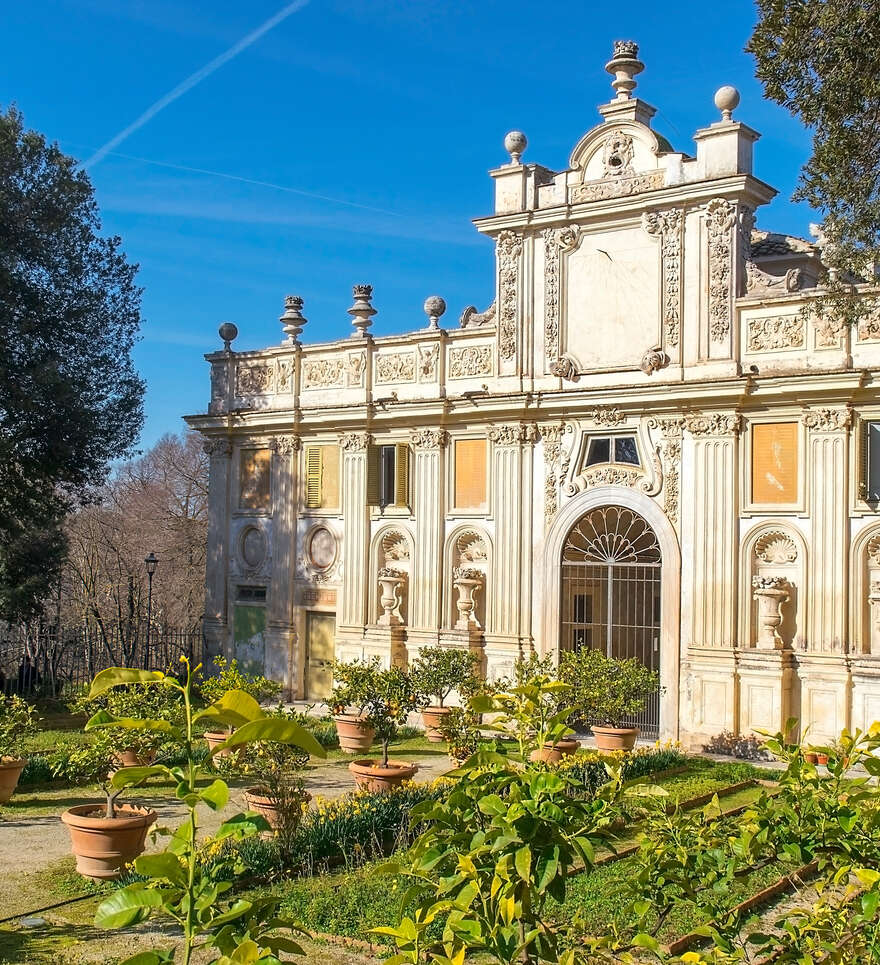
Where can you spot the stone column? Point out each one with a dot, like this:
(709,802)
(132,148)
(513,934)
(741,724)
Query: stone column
(709,596)
(823,669)
(508,617)
(282,658)
(356,532)
(219,451)
(429,508)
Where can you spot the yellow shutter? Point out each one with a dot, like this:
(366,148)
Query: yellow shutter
(373,476)
(401,474)
(775,462)
(864,456)
(470,473)
(313,477)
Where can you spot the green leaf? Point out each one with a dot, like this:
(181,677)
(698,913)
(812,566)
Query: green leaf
(234,709)
(128,776)
(242,826)
(236,911)
(156,957)
(113,676)
(523,862)
(161,865)
(643,940)
(273,729)
(216,795)
(127,906)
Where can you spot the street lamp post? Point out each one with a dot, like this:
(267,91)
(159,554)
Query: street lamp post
(150,562)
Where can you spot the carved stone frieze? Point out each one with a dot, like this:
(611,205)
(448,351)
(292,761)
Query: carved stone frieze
(428,356)
(513,435)
(355,441)
(322,373)
(869,327)
(284,375)
(872,552)
(775,333)
(469,362)
(670,449)
(829,330)
(667,226)
(254,380)
(604,415)
(399,367)
(713,424)
(606,476)
(551,293)
(827,420)
(552,437)
(617,188)
(776,547)
(509,249)
(357,363)
(721,219)
(429,438)
(285,445)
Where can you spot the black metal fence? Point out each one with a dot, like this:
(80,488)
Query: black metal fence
(647,720)
(48,661)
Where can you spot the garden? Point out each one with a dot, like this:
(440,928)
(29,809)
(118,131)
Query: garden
(190,817)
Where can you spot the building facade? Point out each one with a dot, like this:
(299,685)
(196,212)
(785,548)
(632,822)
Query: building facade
(650,442)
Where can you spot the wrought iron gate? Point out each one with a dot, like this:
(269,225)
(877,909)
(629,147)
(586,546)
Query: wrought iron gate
(610,594)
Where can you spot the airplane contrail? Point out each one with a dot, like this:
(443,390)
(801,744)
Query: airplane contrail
(194,79)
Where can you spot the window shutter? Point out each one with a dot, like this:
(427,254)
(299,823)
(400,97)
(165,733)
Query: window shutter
(864,480)
(401,474)
(373,476)
(313,477)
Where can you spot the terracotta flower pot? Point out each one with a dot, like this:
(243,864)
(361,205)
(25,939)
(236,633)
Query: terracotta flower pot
(615,738)
(432,718)
(131,758)
(372,776)
(552,753)
(10,772)
(258,799)
(216,737)
(355,736)
(103,846)
(811,757)
(822,759)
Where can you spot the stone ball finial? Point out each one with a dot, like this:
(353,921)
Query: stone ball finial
(228,332)
(434,306)
(515,143)
(292,320)
(726,100)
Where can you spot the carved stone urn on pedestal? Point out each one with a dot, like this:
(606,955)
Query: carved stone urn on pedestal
(770,592)
(391,584)
(467,581)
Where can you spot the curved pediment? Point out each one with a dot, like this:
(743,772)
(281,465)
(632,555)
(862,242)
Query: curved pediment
(621,149)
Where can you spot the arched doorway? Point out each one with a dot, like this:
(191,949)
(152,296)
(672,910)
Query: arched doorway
(610,592)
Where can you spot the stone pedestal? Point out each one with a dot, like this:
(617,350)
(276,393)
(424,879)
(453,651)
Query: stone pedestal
(766,681)
(825,685)
(388,643)
(865,672)
(710,695)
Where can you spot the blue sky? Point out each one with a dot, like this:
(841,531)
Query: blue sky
(386,114)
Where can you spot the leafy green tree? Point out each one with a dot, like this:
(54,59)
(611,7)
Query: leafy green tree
(70,398)
(820,59)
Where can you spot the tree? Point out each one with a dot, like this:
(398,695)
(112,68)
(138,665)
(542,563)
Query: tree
(70,398)
(820,59)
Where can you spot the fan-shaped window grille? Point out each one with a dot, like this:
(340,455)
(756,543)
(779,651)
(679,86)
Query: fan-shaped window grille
(612,536)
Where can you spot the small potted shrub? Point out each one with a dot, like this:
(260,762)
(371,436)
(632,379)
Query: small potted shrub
(18,721)
(392,698)
(460,728)
(107,836)
(606,692)
(436,672)
(227,679)
(541,671)
(352,689)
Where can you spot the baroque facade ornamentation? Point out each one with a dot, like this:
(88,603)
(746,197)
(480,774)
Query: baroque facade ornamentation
(355,441)
(217,447)
(322,373)
(566,367)
(604,415)
(512,435)
(721,217)
(667,226)
(617,154)
(400,367)
(671,432)
(776,547)
(872,551)
(285,375)
(552,438)
(285,445)
(713,424)
(429,438)
(776,332)
(253,380)
(618,188)
(869,326)
(758,281)
(471,318)
(428,355)
(829,331)
(466,363)
(653,360)
(509,250)
(827,420)
(357,364)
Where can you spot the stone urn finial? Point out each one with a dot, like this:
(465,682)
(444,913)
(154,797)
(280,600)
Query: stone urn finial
(467,580)
(434,308)
(625,64)
(362,311)
(770,592)
(292,321)
(229,333)
(515,144)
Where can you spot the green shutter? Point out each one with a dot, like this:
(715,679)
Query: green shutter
(401,474)
(313,477)
(373,476)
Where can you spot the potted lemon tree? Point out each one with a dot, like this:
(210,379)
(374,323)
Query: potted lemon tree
(353,685)
(18,721)
(228,678)
(436,672)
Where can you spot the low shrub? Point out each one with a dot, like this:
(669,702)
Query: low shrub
(588,767)
(38,770)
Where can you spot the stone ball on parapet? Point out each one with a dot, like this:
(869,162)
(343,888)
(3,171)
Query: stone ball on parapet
(434,306)
(228,332)
(515,143)
(727,100)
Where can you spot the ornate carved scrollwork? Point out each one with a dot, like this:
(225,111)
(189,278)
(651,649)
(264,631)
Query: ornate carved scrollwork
(721,215)
(667,226)
(509,249)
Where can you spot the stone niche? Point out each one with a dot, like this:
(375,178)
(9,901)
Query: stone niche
(775,576)
(467,580)
(393,563)
(610,304)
